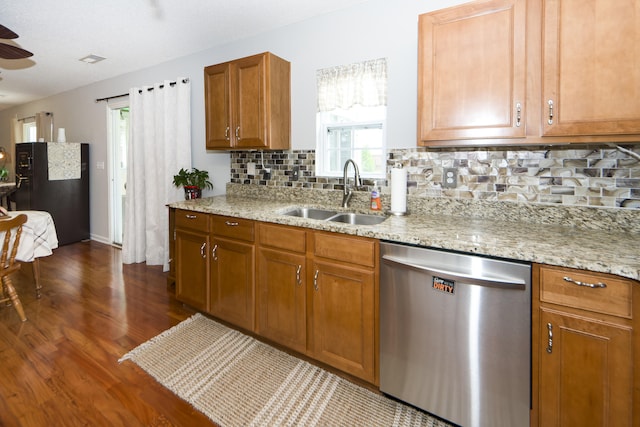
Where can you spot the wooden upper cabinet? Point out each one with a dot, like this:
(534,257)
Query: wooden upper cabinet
(590,67)
(248,103)
(471,72)
(217,89)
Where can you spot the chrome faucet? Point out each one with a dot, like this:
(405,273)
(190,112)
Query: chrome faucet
(347,193)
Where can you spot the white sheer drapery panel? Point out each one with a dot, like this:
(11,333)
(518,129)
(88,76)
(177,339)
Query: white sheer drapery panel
(44,126)
(159,145)
(16,131)
(362,83)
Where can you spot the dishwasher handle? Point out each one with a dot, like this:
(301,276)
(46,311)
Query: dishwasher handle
(506,283)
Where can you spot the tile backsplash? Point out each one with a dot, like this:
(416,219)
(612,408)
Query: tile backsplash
(597,176)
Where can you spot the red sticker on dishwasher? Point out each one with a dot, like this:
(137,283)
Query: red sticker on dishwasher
(443,285)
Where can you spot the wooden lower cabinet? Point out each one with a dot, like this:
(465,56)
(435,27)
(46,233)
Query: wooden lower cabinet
(317,294)
(343,318)
(192,261)
(282,284)
(232,278)
(232,282)
(586,375)
(343,297)
(583,361)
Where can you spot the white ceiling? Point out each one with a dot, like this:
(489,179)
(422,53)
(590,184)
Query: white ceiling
(131,34)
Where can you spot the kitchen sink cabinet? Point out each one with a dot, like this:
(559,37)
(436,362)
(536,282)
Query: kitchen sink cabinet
(344,304)
(583,348)
(471,72)
(282,284)
(192,261)
(247,103)
(231,281)
(318,294)
(589,67)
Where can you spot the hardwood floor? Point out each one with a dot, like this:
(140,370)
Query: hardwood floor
(60,367)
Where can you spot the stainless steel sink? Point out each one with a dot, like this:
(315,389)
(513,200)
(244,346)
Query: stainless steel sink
(311,213)
(357,219)
(335,216)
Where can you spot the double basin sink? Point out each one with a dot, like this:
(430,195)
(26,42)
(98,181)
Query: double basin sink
(336,216)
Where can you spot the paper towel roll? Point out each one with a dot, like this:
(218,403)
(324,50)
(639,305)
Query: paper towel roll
(398,191)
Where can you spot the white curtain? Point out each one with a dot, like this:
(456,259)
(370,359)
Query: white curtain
(159,145)
(362,83)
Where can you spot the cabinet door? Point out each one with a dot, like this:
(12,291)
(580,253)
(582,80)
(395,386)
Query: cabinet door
(343,318)
(217,88)
(471,72)
(590,73)
(249,102)
(232,282)
(586,379)
(192,268)
(281,298)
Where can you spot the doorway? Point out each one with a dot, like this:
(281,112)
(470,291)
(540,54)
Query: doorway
(118,142)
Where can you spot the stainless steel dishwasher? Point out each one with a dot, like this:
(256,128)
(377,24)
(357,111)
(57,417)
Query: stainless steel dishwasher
(455,335)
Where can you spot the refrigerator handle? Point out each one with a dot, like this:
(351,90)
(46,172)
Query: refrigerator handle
(20,179)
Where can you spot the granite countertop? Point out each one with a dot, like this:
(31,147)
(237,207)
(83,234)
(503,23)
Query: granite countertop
(596,250)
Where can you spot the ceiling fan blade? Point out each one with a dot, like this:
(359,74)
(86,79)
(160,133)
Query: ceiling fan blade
(13,52)
(6,33)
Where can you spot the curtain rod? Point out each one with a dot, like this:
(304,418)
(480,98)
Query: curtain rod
(48,113)
(139,91)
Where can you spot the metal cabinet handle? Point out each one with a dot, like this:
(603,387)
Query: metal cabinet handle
(518,114)
(213,253)
(231,223)
(550,334)
(550,102)
(237,132)
(226,133)
(190,216)
(298,279)
(203,250)
(315,280)
(587,285)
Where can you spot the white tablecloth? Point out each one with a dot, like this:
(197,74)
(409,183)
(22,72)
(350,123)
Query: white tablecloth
(39,237)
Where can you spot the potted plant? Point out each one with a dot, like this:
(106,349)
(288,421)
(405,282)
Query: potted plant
(193,181)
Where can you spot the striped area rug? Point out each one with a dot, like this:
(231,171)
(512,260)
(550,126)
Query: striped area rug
(237,380)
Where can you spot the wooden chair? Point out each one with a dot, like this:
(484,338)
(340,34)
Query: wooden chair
(11,228)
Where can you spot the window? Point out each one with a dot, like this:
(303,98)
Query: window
(351,118)
(29,132)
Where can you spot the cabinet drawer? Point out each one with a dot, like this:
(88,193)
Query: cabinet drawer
(192,220)
(235,228)
(283,237)
(614,299)
(355,250)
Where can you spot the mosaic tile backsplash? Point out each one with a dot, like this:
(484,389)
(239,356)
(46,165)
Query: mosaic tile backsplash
(599,176)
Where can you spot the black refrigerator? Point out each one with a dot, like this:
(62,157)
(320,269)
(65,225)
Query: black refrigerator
(60,188)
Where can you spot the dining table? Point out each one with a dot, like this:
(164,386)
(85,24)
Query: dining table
(38,239)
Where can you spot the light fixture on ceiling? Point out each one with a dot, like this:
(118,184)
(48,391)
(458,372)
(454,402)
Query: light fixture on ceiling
(92,59)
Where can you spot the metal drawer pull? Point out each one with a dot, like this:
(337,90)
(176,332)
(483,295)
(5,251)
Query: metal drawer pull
(213,253)
(550,345)
(315,280)
(518,114)
(226,133)
(189,216)
(550,121)
(298,280)
(202,250)
(238,132)
(587,285)
(230,223)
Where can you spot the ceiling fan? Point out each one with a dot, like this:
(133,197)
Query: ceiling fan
(8,51)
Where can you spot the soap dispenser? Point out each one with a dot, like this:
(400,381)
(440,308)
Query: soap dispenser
(376,204)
